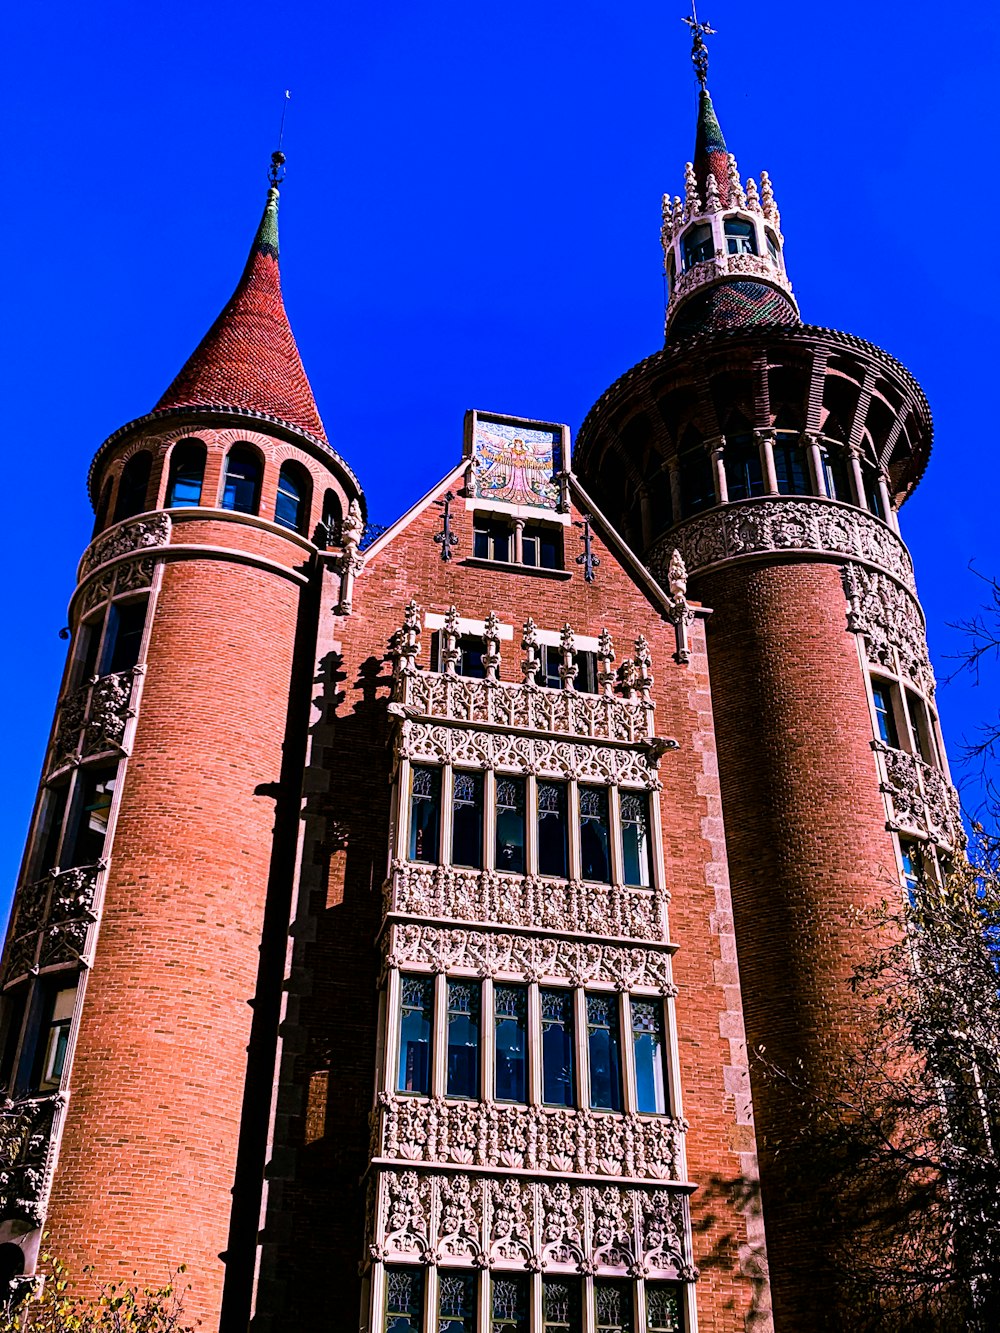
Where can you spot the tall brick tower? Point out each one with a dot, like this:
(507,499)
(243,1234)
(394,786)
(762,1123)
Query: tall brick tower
(153,900)
(774,456)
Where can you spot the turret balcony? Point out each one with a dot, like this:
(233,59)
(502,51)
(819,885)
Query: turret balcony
(53,916)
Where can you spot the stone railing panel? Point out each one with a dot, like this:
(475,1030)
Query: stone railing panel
(27,1135)
(149,530)
(92,719)
(52,920)
(923,801)
(891,621)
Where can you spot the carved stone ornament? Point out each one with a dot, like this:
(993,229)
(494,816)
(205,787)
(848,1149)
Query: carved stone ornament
(27,1133)
(93,719)
(530,958)
(890,619)
(150,530)
(922,800)
(510,1222)
(502,898)
(423,743)
(536,1138)
(52,918)
(776,524)
(679,613)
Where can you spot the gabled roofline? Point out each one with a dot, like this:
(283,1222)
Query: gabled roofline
(413,512)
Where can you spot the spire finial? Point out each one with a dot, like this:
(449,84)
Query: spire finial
(276,171)
(699,51)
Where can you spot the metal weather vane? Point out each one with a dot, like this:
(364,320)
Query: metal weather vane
(276,171)
(699,51)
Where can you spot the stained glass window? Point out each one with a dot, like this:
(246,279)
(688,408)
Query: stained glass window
(415,1034)
(456,1301)
(510,824)
(561,1311)
(509,1304)
(404,1300)
(595,834)
(635,838)
(463,1038)
(650,1061)
(614,1307)
(553,847)
(425,814)
(467,820)
(603,1049)
(663,1308)
(557,1047)
(510,1008)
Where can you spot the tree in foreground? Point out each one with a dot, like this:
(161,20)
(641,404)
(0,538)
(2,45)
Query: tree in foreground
(117,1307)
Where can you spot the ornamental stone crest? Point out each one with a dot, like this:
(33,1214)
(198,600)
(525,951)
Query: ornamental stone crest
(150,530)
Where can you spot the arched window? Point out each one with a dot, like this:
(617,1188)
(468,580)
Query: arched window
(696,245)
(741,237)
(333,516)
(241,491)
(836,476)
(102,507)
(132,486)
(291,508)
(187,470)
(790,466)
(744,475)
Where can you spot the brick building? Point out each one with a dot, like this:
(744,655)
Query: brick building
(396,912)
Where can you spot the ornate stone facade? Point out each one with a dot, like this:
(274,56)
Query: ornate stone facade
(891,620)
(28,1132)
(52,919)
(93,718)
(923,801)
(133,535)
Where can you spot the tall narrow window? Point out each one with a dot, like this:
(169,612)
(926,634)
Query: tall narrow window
(835,475)
(56,1019)
(467,820)
(614,1307)
(123,638)
(53,814)
(416,1028)
(664,1313)
(561,1312)
(187,471)
(404,1300)
(542,548)
(553,843)
(101,516)
(696,478)
(650,1056)
(873,493)
(132,486)
(918,724)
(510,1010)
(84,841)
(492,540)
(586,673)
(558,1080)
(603,1050)
(241,491)
(509,1304)
(635,839)
(744,475)
(86,654)
(595,834)
(333,516)
(913,869)
(510,825)
(425,814)
(790,467)
(463,1038)
(551,660)
(885,717)
(291,506)
(14,1002)
(456,1301)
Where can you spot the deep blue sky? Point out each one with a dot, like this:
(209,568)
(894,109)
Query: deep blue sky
(470,218)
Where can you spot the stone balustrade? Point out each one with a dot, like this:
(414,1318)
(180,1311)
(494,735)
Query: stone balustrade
(27,1135)
(53,917)
(924,802)
(93,718)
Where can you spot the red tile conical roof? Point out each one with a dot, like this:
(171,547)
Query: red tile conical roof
(248,359)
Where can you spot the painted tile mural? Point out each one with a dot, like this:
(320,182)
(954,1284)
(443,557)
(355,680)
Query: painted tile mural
(516,464)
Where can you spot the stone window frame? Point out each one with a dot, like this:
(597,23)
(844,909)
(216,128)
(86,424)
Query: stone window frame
(920,735)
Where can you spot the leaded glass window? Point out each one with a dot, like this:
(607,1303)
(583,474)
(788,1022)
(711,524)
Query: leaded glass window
(663,1308)
(553,844)
(510,824)
(425,814)
(404,1300)
(416,1027)
(635,839)
(614,1307)
(603,1049)
(595,834)
(463,1038)
(510,1010)
(509,1304)
(456,1301)
(650,1056)
(561,1310)
(557,1048)
(467,820)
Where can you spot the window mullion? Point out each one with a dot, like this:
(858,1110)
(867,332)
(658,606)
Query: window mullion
(534,1051)
(447,812)
(489,820)
(531,825)
(393,1025)
(615,837)
(378,1295)
(580,1033)
(589,1310)
(439,1063)
(431,1297)
(657,870)
(487,1042)
(629,1095)
(639,1305)
(519,541)
(573,826)
(402,843)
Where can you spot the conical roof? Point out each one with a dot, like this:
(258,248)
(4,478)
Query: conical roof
(710,152)
(248,360)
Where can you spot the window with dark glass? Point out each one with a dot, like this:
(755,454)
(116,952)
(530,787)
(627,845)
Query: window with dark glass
(873,493)
(697,245)
(14,1002)
(696,479)
(551,660)
(614,1307)
(553,832)
(123,637)
(790,467)
(467,819)
(558,1081)
(603,1051)
(58,1015)
(650,1055)
(885,716)
(101,516)
(509,1303)
(132,486)
(635,839)
(291,505)
(493,540)
(241,489)
(561,1305)
(88,823)
(741,237)
(772,247)
(463,1038)
(586,672)
(836,476)
(470,655)
(53,814)
(90,642)
(744,475)
(404,1300)
(595,834)
(425,814)
(918,723)
(541,548)
(333,516)
(664,1312)
(913,869)
(510,824)
(416,1031)
(456,1301)
(510,1014)
(187,471)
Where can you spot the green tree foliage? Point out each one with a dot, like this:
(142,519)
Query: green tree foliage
(58,1306)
